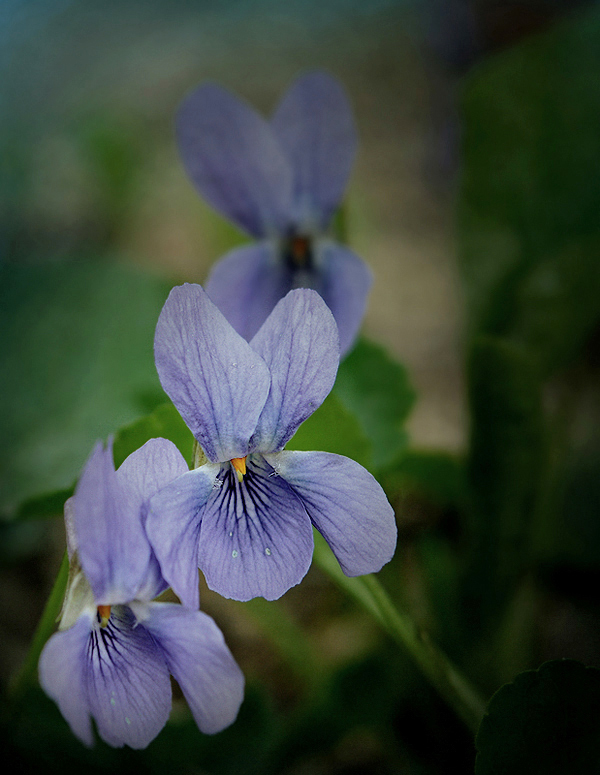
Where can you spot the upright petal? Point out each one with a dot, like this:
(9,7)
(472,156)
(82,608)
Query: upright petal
(200,662)
(300,345)
(345,285)
(235,160)
(127,680)
(255,538)
(216,381)
(346,505)
(112,545)
(62,670)
(247,283)
(315,126)
(150,468)
(143,474)
(173,527)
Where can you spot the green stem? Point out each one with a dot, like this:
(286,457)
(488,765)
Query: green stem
(445,677)
(45,627)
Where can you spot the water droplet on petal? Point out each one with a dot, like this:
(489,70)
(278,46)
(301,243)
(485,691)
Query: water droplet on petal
(230,533)
(268,552)
(127,720)
(234,553)
(234,364)
(112,701)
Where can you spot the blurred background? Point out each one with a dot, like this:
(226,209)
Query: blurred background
(99,221)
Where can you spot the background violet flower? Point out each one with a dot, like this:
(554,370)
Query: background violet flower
(245,517)
(281,182)
(115,650)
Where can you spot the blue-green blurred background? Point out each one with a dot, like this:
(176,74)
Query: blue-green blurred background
(99,220)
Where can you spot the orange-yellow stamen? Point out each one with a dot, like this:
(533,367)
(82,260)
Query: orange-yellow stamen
(239,464)
(104,615)
(299,248)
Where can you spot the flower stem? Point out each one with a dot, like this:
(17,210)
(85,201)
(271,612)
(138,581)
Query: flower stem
(444,676)
(45,627)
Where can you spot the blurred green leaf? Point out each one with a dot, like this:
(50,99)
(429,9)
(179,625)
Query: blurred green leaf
(376,389)
(546,721)
(529,232)
(77,363)
(503,469)
(165,421)
(436,476)
(332,428)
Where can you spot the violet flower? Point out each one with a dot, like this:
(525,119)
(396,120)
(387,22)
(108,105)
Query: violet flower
(114,651)
(245,516)
(281,181)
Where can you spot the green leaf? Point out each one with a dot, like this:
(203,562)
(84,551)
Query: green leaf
(376,389)
(435,476)
(77,363)
(165,421)
(332,428)
(529,232)
(546,721)
(504,468)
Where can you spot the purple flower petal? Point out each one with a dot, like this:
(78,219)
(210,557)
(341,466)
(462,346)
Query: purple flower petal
(61,673)
(346,505)
(150,468)
(255,538)
(200,662)
(111,543)
(235,160)
(216,381)
(144,473)
(173,527)
(300,345)
(247,283)
(128,683)
(345,285)
(316,129)
(116,674)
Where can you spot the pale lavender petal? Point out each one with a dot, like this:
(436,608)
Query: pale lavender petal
(346,504)
(216,381)
(173,527)
(150,468)
(345,285)
(315,126)
(62,669)
(112,545)
(300,345)
(256,538)
(146,471)
(128,683)
(235,160)
(247,283)
(200,662)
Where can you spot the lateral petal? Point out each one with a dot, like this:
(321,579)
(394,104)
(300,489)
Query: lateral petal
(345,284)
(234,159)
(173,526)
(217,382)
(247,283)
(199,660)
(112,546)
(256,538)
(127,682)
(346,504)
(315,127)
(299,343)
(61,672)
